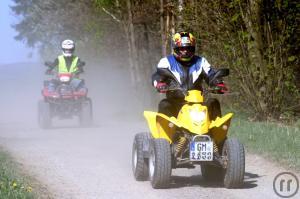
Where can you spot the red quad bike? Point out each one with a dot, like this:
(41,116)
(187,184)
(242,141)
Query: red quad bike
(64,101)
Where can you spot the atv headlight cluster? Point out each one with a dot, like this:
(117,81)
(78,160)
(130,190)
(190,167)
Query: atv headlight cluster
(198,116)
(64,78)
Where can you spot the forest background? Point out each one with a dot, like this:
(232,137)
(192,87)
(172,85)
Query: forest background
(257,39)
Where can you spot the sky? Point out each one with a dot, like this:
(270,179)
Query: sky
(11,51)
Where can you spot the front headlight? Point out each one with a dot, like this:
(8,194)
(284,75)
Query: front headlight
(64,78)
(198,116)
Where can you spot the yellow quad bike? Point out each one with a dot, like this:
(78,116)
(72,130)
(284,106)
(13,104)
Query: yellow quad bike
(191,139)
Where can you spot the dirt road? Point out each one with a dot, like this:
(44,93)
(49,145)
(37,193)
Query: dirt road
(95,162)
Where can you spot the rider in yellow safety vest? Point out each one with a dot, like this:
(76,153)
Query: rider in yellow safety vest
(67,63)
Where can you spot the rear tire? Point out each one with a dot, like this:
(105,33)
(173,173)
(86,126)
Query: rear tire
(86,113)
(234,153)
(160,166)
(44,115)
(139,162)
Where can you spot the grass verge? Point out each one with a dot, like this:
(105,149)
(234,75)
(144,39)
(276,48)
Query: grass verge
(275,141)
(13,185)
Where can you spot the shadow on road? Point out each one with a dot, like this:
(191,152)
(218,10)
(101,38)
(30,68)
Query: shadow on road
(197,180)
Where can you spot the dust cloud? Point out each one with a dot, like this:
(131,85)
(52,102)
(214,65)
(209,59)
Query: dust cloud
(109,85)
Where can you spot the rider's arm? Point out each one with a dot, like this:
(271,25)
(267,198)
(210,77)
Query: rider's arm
(160,78)
(209,73)
(162,71)
(80,66)
(159,82)
(54,64)
(51,66)
(217,84)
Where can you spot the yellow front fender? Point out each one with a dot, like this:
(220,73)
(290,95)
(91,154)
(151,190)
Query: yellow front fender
(161,126)
(220,126)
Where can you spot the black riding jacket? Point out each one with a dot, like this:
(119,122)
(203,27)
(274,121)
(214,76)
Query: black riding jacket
(189,75)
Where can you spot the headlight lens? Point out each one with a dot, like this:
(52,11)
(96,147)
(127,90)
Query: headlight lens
(198,116)
(64,78)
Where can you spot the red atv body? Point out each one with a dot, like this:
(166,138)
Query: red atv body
(64,97)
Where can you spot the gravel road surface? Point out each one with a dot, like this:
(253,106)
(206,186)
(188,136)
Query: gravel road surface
(88,163)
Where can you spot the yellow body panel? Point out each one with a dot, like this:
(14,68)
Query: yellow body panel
(219,121)
(185,118)
(194,96)
(161,126)
(219,127)
(193,117)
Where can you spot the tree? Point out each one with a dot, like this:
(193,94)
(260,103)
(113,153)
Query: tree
(257,39)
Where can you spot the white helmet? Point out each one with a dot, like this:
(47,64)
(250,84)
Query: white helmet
(68,47)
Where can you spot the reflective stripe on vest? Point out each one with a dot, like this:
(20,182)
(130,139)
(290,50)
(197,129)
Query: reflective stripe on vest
(62,66)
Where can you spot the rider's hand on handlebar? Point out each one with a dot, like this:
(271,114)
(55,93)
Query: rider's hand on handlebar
(162,87)
(220,88)
(48,72)
(79,71)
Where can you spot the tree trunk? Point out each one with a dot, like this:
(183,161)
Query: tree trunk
(251,18)
(172,29)
(167,29)
(132,48)
(180,18)
(162,29)
(146,50)
(124,26)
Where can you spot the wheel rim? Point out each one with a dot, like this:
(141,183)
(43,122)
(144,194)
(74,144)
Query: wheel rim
(151,164)
(134,157)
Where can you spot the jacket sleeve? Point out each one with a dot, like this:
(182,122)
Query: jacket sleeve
(53,65)
(209,73)
(155,78)
(158,75)
(80,65)
(162,73)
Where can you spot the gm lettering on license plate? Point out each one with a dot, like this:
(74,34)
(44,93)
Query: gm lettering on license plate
(201,151)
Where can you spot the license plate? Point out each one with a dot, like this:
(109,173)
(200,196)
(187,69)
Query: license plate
(201,151)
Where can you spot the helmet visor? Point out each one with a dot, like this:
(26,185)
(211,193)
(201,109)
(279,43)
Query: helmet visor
(186,51)
(68,52)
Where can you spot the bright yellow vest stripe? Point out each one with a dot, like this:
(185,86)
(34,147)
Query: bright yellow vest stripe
(62,66)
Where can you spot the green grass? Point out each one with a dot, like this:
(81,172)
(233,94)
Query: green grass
(272,140)
(12,184)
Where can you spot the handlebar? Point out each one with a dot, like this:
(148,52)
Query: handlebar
(173,85)
(48,64)
(176,87)
(185,91)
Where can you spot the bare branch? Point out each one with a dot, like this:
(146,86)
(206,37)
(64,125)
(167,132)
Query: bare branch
(110,14)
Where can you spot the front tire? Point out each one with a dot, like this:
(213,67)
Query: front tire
(86,113)
(139,162)
(234,154)
(160,166)
(44,115)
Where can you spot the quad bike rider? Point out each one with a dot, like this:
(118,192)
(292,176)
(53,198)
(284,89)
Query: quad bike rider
(189,71)
(187,130)
(65,95)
